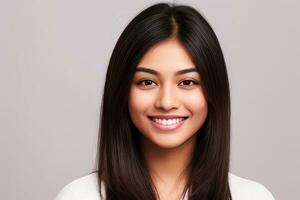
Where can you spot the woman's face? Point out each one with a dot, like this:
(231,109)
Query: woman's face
(166,103)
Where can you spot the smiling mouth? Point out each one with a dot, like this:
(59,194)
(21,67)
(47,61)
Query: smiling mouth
(156,118)
(167,124)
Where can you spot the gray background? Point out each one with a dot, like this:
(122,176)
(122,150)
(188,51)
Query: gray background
(53,58)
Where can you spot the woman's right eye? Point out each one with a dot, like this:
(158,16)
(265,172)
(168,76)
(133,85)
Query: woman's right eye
(145,82)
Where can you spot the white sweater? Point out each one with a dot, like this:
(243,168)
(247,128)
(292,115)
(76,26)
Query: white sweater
(86,188)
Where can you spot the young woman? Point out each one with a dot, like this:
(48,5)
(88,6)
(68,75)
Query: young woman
(165,118)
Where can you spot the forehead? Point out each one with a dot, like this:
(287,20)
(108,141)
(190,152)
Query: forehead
(168,55)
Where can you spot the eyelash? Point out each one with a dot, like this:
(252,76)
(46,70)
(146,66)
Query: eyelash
(143,81)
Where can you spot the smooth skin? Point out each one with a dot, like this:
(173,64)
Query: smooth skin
(167,153)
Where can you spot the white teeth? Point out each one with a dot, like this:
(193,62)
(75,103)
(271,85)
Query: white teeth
(167,122)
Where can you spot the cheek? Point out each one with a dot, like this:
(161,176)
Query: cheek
(196,103)
(139,101)
(138,104)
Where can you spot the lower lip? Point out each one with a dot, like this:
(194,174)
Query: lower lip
(167,127)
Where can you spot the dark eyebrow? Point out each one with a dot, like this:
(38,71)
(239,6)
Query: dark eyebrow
(151,71)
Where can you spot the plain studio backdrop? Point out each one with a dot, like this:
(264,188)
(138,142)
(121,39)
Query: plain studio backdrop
(53,59)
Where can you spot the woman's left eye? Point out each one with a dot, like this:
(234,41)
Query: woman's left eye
(187,82)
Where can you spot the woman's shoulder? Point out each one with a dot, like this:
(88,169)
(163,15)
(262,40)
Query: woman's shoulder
(246,189)
(85,187)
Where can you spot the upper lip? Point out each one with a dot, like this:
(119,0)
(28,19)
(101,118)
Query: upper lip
(167,116)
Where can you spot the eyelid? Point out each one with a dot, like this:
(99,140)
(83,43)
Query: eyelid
(192,80)
(139,82)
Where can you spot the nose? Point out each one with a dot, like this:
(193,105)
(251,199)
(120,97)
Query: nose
(166,98)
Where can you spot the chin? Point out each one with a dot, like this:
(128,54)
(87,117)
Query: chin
(169,145)
(168,141)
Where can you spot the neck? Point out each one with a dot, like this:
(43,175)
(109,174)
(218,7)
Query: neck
(168,166)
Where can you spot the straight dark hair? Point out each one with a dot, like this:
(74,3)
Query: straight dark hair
(120,163)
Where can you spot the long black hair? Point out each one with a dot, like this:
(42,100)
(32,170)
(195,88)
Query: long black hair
(120,164)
